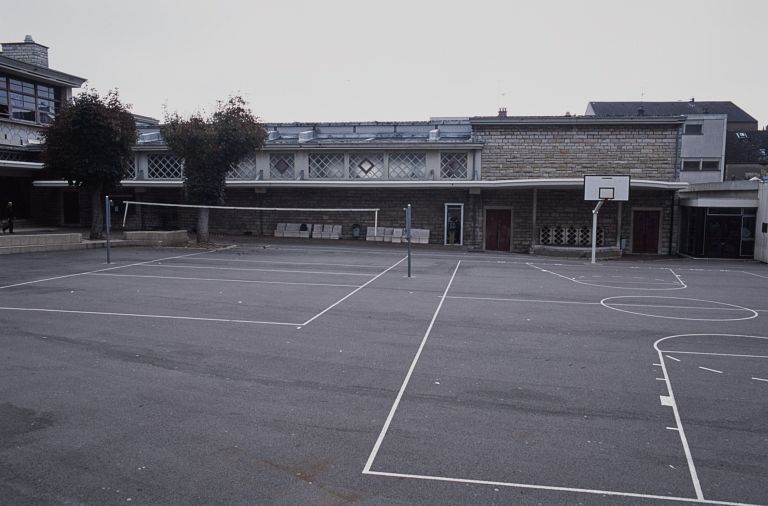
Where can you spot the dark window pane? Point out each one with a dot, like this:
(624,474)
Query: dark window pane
(692,129)
(23,115)
(710,165)
(691,165)
(15,85)
(3,83)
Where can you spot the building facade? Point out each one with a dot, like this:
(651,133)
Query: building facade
(30,95)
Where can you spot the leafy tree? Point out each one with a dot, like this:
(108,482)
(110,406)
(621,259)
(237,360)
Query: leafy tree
(210,146)
(89,144)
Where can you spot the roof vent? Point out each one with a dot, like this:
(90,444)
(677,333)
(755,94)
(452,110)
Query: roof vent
(306,135)
(28,38)
(502,112)
(273,135)
(434,135)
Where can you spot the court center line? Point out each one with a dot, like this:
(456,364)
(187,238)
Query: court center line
(335,273)
(350,294)
(707,308)
(135,315)
(679,424)
(400,393)
(106,269)
(714,354)
(711,370)
(554,488)
(221,279)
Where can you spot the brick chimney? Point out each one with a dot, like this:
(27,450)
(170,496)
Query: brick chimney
(28,51)
(502,112)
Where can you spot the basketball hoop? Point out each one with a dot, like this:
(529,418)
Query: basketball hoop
(602,189)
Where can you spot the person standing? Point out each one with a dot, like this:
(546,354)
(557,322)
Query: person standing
(9,216)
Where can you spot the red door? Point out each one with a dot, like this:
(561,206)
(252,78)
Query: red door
(498,223)
(645,231)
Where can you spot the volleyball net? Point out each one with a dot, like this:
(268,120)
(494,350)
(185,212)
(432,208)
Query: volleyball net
(322,223)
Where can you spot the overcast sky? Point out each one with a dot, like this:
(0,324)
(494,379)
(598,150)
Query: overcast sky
(330,60)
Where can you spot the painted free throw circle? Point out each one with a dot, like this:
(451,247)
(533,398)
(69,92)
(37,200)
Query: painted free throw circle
(656,306)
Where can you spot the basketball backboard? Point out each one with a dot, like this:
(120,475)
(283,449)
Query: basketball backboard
(606,188)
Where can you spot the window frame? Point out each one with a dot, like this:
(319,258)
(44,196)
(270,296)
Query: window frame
(42,100)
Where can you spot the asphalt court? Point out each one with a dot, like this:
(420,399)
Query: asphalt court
(493,378)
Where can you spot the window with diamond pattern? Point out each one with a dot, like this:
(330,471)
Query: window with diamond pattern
(366,165)
(453,165)
(164,167)
(326,165)
(281,166)
(407,165)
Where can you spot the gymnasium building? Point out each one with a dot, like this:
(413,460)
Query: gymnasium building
(497,183)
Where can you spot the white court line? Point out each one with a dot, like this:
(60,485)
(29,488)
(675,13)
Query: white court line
(711,370)
(107,269)
(759,379)
(713,354)
(554,488)
(289,263)
(753,274)
(400,393)
(350,294)
(500,299)
(134,315)
(221,279)
(672,287)
(679,423)
(602,281)
(672,358)
(707,308)
(679,279)
(182,266)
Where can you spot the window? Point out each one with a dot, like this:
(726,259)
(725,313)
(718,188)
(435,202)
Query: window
(701,165)
(453,165)
(27,101)
(281,165)
(407,165)
(164,167)
(692,130)
(366,165)
(326,165)
(3,97)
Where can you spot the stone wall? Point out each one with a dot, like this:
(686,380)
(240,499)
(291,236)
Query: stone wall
(522,151)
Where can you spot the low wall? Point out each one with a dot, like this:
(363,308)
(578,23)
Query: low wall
(20,243)
(168,238)
(573,252)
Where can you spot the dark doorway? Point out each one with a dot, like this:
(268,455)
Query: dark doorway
(498,224)
(71,204)
(645,231)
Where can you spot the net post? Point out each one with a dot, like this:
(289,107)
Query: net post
(408,235)
(107,225)
(376,223)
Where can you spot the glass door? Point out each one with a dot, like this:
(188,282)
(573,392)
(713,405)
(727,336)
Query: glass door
(454,225)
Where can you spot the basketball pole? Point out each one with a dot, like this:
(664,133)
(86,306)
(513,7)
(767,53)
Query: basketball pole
(594,227)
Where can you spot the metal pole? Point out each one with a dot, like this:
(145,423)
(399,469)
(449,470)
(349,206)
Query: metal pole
(107,225)
(376,224)
(594,227)
(408,235)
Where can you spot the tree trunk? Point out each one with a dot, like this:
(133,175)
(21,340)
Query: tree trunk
(97,213)
(202,225)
